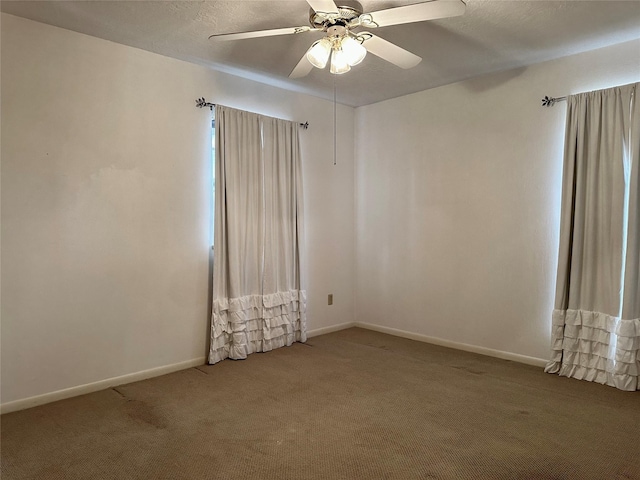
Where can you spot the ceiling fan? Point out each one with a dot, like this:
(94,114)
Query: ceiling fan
(344,44)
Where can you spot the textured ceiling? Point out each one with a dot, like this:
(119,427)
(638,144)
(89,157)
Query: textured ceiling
(492,35)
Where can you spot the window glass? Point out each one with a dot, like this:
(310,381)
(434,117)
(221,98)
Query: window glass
(213,174)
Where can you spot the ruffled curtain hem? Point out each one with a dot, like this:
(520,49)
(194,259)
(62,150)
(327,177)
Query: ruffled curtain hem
(596,347)
(257,323)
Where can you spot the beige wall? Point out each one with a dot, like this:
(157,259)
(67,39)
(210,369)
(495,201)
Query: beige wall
(458,192)
(106,203)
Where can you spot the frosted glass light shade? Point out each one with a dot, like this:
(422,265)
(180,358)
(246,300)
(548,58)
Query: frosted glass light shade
(339,63)
(353,50)
(318,54)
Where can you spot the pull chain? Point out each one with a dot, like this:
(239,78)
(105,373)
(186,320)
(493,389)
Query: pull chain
(335,125)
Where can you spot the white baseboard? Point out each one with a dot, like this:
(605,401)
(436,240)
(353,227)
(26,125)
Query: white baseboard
(515,357)
(96,386)
(333,328)
(155,372)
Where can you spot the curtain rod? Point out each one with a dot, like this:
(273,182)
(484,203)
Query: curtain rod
(551,101)
(201,103)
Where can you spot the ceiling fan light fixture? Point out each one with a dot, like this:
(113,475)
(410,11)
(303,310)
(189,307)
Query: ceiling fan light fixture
(353,50)
(339,64)
(318,54)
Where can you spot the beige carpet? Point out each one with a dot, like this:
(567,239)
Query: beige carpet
(354,404)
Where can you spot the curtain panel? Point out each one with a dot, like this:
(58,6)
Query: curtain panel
(596,325)
(259,303)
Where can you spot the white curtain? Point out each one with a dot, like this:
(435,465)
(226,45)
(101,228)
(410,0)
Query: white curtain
(258,300)
(596,325)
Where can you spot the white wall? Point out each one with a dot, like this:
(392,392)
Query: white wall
(458,192)
(106,204)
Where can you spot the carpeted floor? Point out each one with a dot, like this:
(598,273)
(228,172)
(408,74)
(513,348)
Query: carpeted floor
(353,404)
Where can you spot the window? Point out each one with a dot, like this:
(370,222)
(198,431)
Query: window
(213,175)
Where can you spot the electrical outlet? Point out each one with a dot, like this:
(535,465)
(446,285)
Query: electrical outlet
(330,299)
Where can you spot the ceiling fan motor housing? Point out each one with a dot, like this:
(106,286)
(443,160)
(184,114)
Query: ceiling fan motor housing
(348,11)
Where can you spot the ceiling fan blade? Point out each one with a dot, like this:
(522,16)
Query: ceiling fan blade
(418,12)
(302,69)
(261,33)
(390,52)
(323,6)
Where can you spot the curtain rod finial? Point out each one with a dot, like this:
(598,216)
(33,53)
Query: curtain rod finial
(551,101)
(201,103)
(548,101)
